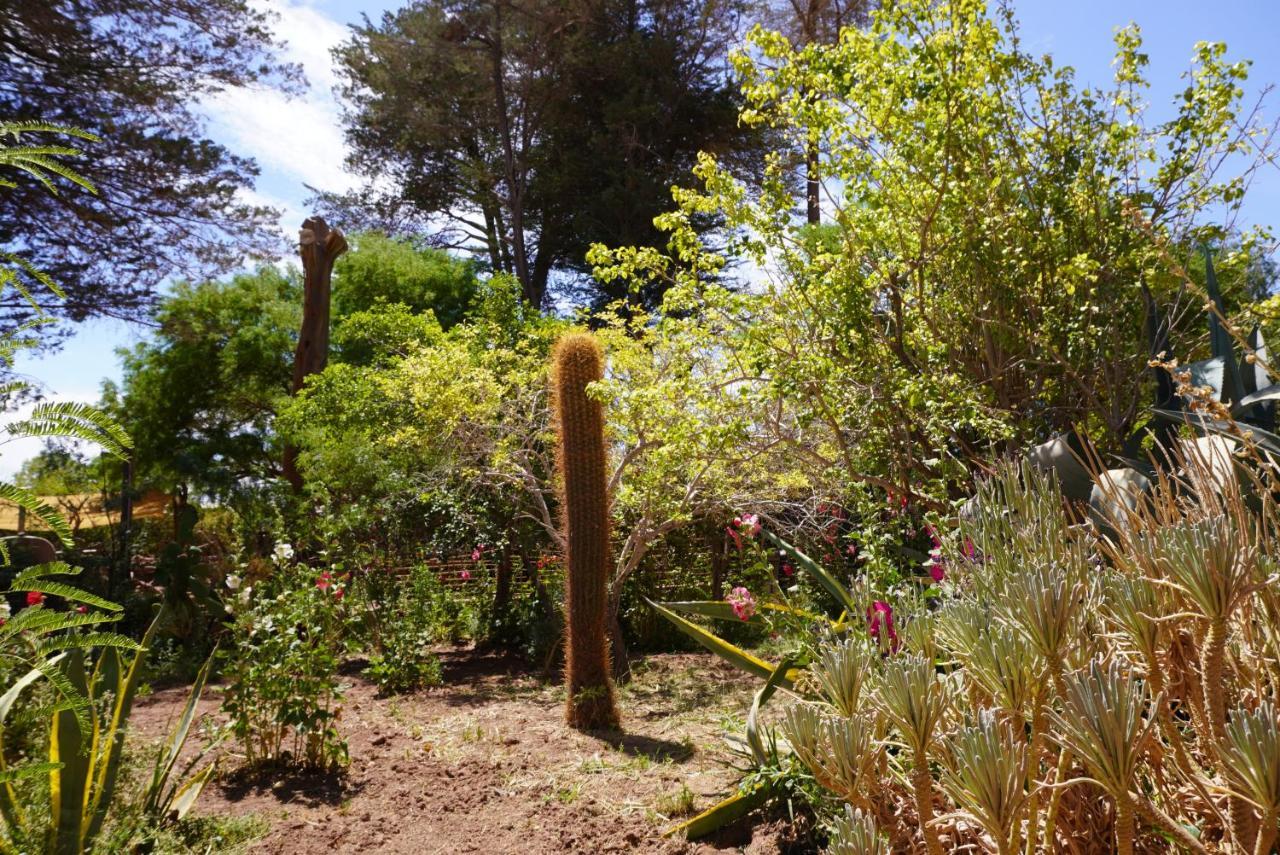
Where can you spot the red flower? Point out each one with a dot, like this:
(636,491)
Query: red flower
(323,582)
(788,570)
(737,538)
(880,616)
(84,610)
(338,593)
(34,598)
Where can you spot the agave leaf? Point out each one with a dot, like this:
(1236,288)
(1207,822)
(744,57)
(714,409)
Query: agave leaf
(1266,440)
(721,610)
(730,810)
(1059,457)
(155,798)
(753,717)
(817,571)
(731,653)
(185,797)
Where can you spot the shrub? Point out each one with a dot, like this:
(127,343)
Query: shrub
(283,693)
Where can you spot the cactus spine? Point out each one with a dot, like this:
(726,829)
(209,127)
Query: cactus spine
(576,362)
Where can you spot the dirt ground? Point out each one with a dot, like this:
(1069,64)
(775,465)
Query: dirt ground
(485,764)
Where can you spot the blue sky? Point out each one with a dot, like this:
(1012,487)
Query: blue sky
(266,126)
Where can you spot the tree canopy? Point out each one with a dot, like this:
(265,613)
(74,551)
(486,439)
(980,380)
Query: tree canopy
(549,125)
(170,200)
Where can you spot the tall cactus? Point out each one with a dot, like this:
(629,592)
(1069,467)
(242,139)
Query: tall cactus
(576,362)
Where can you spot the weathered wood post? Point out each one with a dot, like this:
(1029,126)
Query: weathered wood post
(319,247)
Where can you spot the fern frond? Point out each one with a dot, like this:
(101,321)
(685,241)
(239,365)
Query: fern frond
(67,592)
(41,571)
(38,509)
(92,639)
(74,420)
(46,621)
(72,700)
(17,128)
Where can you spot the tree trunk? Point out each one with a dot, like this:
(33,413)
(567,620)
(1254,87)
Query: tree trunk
(319,247)
(813,185)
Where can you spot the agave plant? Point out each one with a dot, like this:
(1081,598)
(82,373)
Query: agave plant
(855,833)
(984,772)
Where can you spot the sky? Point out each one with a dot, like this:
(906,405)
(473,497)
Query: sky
(267,126)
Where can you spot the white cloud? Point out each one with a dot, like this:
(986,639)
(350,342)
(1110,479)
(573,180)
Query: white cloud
(298,139)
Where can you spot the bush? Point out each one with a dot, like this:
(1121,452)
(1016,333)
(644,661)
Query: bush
(283,694)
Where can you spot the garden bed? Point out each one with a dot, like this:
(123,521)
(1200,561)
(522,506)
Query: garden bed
(486,764)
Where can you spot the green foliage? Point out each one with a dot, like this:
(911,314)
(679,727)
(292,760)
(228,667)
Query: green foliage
(979,279)
(283,694)
(131,74)
(199,397)
(380,270)
(602,108)
(86,730)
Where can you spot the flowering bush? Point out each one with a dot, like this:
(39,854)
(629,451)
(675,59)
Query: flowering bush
(283,694)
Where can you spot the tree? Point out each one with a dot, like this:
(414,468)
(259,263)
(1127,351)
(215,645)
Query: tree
(550,125)
(201,396)
(170,204)
(981,285)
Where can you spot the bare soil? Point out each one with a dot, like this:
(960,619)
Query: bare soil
(485,764)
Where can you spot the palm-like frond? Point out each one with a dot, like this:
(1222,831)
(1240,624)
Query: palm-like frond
(74,420)
(35,506)
(983,771)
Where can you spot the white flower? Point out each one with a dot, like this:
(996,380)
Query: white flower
(283,552)
(233,581)
(4,609)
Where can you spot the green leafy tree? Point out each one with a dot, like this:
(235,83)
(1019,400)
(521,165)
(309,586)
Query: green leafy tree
(202,394)
(131,74)
(993,228)
(551,125)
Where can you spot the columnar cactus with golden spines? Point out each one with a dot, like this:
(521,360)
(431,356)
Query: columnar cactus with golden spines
(577,362)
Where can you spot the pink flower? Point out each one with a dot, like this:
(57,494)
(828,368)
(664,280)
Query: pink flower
(737,538)
(937,571)
(742,603)
(465,575)
(324,581)
(477,552)
(34,598)
(880,616)
(851,549)
(971,551)
(788,570)
(751,523)
(84,610)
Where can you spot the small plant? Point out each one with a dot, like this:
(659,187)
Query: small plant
(283,694)
(676,803)
(406,662)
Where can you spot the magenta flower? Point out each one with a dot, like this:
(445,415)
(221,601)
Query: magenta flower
(742,603)
(788,570)
(465,575)
(936,571)
(880,618)
(477,552)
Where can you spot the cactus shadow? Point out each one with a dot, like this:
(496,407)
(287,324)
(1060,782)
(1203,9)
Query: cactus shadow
(650,747)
